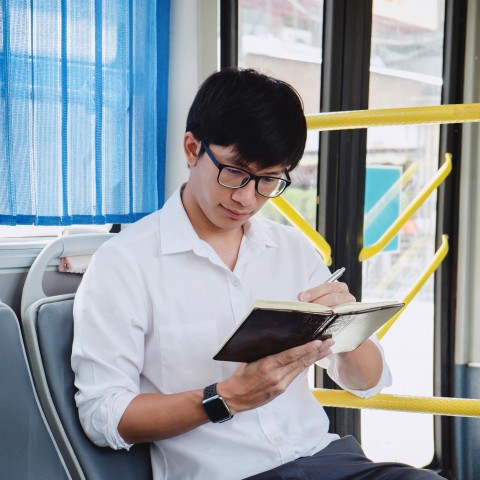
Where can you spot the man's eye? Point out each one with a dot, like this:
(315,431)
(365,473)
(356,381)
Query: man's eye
(269,180)
(234,172)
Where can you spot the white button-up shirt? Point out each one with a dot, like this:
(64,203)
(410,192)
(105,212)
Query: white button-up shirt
(154,306)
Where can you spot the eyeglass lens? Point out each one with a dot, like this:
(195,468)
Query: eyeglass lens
(266,186)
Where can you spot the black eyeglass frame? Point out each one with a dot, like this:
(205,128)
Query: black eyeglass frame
(286,181)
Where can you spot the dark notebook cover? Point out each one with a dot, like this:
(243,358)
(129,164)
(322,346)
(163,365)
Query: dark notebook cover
(267,331)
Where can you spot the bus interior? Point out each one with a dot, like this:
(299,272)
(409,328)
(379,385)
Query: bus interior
(93,101)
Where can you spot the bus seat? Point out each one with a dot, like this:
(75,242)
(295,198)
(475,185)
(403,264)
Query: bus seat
(48,329)
(27,448)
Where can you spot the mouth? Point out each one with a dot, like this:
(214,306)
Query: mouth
(236,215)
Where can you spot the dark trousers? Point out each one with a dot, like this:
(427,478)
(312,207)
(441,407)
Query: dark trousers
(344,459)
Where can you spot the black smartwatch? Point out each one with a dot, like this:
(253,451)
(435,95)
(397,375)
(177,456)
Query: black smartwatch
(215,406)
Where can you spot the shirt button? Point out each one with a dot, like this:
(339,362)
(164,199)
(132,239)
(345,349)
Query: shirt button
(235,283)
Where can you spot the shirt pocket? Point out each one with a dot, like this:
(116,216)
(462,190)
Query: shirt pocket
(186,353)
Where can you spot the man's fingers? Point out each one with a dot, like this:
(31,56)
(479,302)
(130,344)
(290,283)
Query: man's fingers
(304,355)
(328,294)
(321,290)
(257,383)
(317,354)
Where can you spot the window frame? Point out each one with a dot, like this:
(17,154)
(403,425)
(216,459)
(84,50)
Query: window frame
(347,31)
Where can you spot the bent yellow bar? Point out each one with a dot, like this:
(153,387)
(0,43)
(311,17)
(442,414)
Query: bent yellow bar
(296,219)
(437,260)
(464,407)
(384,240)
(456,113)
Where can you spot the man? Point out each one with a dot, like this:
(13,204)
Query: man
(159,298)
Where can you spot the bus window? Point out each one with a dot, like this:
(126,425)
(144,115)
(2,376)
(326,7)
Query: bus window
(405,71)
(284,39)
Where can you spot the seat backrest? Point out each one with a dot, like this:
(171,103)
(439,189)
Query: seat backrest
(54,324)
(27,449)
(48,329)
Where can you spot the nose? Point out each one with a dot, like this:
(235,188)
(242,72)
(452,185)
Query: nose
(246,195)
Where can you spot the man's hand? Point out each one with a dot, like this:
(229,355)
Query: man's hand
(361,368)
(327,294)
(254,384)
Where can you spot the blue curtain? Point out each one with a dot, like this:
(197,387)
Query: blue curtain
(83,106)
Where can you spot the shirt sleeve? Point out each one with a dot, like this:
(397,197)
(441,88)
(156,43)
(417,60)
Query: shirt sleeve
(110,323)
(384,381)
(319,274)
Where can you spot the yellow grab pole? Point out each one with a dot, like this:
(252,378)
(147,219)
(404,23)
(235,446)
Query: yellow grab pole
(296,219)
(464,407)
(384,240)
(437,260)
(456,113)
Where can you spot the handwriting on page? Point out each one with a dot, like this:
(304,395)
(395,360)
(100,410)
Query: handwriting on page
(340,323)
(313,325)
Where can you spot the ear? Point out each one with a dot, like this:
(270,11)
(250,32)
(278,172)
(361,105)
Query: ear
(191,146)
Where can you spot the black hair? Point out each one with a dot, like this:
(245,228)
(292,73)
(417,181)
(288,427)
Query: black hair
(262,117)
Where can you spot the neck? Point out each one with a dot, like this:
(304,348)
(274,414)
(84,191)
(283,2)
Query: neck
(227,248)
(226,242)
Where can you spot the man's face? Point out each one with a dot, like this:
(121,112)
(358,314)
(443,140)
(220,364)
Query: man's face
(223,208)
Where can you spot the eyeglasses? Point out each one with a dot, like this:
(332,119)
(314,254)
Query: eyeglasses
(233,177)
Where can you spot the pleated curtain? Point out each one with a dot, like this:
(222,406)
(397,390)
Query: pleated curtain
(83,110)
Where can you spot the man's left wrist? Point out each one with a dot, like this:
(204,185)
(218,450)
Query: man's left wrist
(215,405)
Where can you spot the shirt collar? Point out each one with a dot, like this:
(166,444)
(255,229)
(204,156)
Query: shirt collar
(178,235)
(256,231)
(176,232)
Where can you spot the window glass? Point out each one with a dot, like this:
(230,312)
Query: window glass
(283,38)
(405,71)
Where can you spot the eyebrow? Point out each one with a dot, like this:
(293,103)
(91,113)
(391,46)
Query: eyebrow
(277,173)
(236,161)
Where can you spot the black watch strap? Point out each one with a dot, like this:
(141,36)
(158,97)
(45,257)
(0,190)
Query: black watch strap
(210,391)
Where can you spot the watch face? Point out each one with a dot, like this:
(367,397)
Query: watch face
(216,409)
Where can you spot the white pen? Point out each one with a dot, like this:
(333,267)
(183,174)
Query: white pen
(335,275)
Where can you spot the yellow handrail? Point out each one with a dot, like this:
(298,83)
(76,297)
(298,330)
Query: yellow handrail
(455,113)
(464,407)
(384,240)
(296,219)
(440,254)
(370,118)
